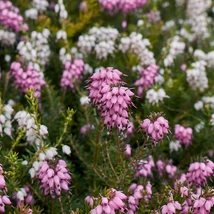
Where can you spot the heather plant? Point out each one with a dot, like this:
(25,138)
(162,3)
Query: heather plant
(106,106)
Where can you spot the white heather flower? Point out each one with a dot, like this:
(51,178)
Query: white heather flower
(43,130)
(36,165)
(84,100)
(61,35)
(42,156)
(196,77)
(31,13)
(199,126)
(25,162)
(155,97)
(199,105)
(7,58)
(32,172)
(41,5)
(200,55)
(20,195)
(66,149)
(140,22)
(174,146)
(50,153)
(7,37)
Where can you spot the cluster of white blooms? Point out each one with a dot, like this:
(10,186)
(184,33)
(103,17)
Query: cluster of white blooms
(196,77)
(34,134)
(100,40)
(138,46)
(176,47)
(174,146)
(199,105)
(37,48)
(209,57)
(60,8)
(31,13)
(199,126)
(168,25)
(61,34)
(159,79)
(84,100)
(7,37)
(5,119)
(65,56)
(212,120)
(40,5)
(197,17)
(48,154)
(154,97)
(186,34)
(88,69)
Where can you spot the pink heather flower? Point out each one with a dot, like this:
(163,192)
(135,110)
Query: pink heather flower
(128,150)
(130,129)
(124,5)
(54,179)
(72,73)
(112,100)
(98,80)
(89,200)
(203,206)
(144,167)
(147,78)
(27,78)
(166,168)
(84,129)
(183,135)
(10,17)
(198,172)
(171,207)
(4,200)
(156,129)
(112,202)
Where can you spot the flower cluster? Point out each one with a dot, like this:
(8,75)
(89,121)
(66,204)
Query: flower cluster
(203,205)
(61,10)
(4,200)
(7,37)
(100,40)
(112,202)
(163,167)
(147,78)
(139,192)
(36,49)
(33,133)
(124,5)
(112,99)
(154,97)
(27,79)
(171,207)
(138,46)
(196,77)
(176,47)
(72,73)
(208,58)
(156,129)
(10,17)
(198,172)
(54,178)
(183,135)
(6,119)
(23,196)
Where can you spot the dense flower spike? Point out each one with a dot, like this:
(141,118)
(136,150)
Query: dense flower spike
(147,78)
(203,205)
(10,17)
(72,73)
(111,203)
(156,129)
(124,5)
(54,178)
(112,100)
(27,78)
(183,135)
(198,172)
